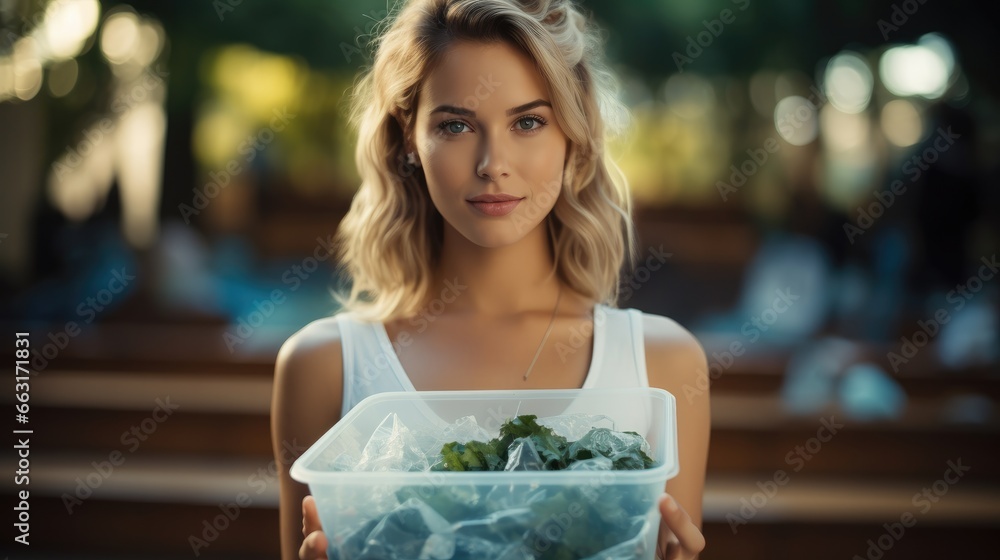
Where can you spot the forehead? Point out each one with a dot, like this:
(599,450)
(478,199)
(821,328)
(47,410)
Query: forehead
(483,77)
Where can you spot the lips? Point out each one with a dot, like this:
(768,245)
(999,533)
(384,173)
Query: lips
(502,197)
(495,205)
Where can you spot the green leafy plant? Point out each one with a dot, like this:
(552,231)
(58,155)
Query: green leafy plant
(625,449)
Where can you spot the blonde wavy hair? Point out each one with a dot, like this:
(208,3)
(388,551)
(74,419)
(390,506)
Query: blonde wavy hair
(389,242)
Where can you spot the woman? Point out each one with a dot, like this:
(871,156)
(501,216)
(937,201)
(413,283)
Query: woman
(485,243)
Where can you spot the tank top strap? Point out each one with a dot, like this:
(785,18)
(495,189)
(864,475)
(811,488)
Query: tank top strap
(367,363)
(623,356)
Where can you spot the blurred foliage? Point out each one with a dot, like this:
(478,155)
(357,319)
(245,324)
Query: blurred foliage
(312,50)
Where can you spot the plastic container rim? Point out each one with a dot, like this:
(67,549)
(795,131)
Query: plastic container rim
(303,474)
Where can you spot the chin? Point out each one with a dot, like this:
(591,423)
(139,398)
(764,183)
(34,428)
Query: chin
(500,233)
(491,238)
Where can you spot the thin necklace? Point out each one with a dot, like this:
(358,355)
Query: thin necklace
(546,337)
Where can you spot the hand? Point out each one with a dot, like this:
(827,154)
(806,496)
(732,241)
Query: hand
(314,545)
(680,538)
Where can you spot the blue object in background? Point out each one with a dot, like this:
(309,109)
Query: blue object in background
(972,334)
(811,376)
(795,267)
(868,393)
(970,408)
(98,273)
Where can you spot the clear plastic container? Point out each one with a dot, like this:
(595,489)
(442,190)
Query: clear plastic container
(580,514)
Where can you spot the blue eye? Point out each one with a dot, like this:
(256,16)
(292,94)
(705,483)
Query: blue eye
(453,127)
(527,123)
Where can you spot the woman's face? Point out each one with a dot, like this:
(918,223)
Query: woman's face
(485,126)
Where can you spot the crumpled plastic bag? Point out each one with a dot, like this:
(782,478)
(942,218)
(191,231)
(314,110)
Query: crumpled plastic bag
(392,447)
(440,521)
(575,426)
(523,456)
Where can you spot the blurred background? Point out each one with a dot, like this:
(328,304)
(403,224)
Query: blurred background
(817,200)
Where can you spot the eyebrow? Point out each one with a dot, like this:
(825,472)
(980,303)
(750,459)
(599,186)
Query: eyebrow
(472,114)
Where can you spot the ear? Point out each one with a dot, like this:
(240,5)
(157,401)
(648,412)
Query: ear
(403,129)
(410,150)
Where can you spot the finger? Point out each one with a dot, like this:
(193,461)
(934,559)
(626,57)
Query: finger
(310,516)
(679,522)
(667,547)
(313,547)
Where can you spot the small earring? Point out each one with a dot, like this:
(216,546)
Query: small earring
(411,158)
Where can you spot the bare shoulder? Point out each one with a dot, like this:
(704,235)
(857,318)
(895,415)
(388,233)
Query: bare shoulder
(674,357)
(308,380)
(305,403)
(314,344)
(675,362)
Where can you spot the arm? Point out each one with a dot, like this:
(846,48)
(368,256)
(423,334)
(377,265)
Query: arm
(676,362)
(306,402)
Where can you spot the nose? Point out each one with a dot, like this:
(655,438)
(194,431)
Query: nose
(492,163)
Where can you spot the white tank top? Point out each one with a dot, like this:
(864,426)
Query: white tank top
(371,365)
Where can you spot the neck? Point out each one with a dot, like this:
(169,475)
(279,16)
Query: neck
(499,281)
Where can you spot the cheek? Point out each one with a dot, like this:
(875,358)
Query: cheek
(543,165)
(447,164)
